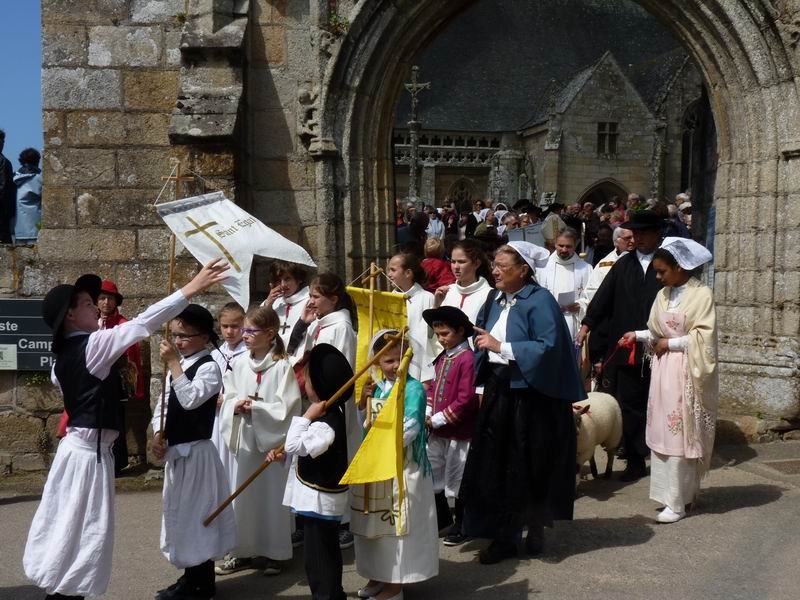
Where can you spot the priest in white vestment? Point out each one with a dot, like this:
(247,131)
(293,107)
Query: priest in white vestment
(566,276)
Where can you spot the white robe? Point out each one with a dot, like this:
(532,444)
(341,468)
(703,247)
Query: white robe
(381,555)
(559,277)
(289,311)
(599,272)
(195,483)
(224,359)
(470,298)
(423,342)
(263,524)
(71,539)
(336,329)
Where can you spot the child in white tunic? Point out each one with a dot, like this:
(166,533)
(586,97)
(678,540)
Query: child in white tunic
(288,297)
(317,444)
(194,480)
(471,268)
(70,542)
(390,561)
(406,272)
(231,320)
(261,397)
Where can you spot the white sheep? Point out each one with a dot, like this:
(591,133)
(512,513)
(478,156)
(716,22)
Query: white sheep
(598,421)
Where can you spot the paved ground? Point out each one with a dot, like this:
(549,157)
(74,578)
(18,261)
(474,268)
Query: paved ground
(743,542)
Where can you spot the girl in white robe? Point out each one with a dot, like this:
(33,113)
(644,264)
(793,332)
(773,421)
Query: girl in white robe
(405,272)
(471,269)
(386,559)
(231,319)
(261,397)
(288,297)
(71,539)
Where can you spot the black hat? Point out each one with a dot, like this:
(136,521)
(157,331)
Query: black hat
(56,303)
(454,317)
(643,219)
(329,370)
(198,317)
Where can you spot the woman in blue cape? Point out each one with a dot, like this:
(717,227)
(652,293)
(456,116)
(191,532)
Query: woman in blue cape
(520,469)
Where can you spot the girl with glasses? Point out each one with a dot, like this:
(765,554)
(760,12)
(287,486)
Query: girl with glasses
(261,397)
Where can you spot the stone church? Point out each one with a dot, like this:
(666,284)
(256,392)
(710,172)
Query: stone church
(289,106)
(533,117)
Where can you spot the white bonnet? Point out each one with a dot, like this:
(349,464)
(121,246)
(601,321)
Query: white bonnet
(687,253)
(534,255)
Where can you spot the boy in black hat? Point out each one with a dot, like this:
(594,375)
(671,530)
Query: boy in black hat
(451,412)
(70,543)
(317,442)
(195,482)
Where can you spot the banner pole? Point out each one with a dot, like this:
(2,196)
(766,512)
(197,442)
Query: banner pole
(393,341)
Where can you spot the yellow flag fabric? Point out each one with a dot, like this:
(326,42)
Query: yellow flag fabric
(380,456)
(389,312)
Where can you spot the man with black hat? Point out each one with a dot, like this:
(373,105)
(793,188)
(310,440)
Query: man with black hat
(70,543)
(109,302)
(625,298)
(317,442)
(195,482)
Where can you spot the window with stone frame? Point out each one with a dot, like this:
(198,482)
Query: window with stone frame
(607,134)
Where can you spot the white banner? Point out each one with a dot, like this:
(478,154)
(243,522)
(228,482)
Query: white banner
(211,226)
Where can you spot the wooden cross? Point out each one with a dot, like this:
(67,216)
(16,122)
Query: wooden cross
(254,396)
(202,229)
(285,326)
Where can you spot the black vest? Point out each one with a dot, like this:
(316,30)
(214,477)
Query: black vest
(90,402)
(324,472)
(190,425)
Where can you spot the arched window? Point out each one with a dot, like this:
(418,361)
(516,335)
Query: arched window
(462,192)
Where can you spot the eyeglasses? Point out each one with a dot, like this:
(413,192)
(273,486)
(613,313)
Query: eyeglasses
(251,330)
(500,267)
(184,337)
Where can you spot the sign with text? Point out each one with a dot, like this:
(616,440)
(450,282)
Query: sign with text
(24,337)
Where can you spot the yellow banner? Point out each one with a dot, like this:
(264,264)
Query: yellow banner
(389,312)
(380,456)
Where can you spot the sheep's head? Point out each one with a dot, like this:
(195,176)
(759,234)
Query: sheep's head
(577,413)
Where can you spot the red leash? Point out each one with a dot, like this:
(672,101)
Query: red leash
(631,355)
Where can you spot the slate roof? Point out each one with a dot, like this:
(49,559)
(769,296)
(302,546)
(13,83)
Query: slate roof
(495,67)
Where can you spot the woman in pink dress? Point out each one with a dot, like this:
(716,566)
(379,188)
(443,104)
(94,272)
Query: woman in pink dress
(682,405)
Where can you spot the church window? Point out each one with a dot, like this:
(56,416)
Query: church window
(607,138)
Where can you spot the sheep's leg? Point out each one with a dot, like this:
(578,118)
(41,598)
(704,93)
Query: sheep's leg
(593,467)
(610,453)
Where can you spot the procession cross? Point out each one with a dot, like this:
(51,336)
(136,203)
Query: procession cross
(202,229)
(414,88)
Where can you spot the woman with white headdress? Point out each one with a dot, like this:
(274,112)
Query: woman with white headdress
(682,404)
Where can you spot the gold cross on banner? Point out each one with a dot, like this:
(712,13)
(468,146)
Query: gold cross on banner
(202,229)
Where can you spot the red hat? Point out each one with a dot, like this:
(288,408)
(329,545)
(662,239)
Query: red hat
(109,287)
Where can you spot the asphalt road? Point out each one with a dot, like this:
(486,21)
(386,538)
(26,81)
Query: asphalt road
(742,542)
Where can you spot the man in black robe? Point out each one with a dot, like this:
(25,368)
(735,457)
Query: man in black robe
(624,299)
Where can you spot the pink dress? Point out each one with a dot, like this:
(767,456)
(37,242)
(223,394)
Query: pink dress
(665,402)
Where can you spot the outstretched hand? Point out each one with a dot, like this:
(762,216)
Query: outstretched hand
(212,273)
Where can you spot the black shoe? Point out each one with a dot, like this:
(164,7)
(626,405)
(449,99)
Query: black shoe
(634,470)
(166,592)
(181,591)
(456,538)
(497,552)
(534,541)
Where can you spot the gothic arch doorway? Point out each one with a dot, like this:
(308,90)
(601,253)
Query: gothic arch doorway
(462,193)
(603,191)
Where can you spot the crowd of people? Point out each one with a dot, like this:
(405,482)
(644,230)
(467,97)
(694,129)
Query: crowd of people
(506,336)
(20,197)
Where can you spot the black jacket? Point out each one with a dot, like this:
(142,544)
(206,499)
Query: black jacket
(624,298)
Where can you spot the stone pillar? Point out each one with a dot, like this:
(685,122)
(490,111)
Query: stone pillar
(427,186)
